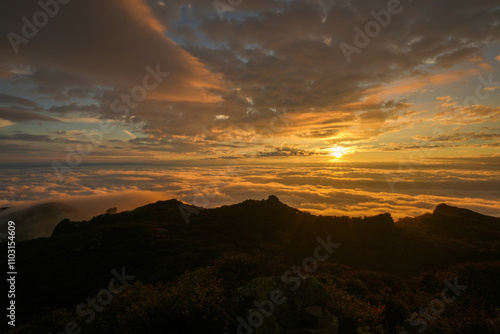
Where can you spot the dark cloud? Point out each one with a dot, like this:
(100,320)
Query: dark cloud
(286,152)
(458,136)
(112,49)
(27,137)
(93,109)
(10,100)
(20,115)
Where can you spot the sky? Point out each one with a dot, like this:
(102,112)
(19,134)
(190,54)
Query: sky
(338,107)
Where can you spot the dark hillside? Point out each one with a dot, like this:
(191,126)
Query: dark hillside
(376,270)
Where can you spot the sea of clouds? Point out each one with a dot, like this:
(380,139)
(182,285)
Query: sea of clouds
(353,189)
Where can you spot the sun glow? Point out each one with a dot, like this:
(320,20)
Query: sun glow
(337,151)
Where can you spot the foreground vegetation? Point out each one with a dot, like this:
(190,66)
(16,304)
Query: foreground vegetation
(385,277)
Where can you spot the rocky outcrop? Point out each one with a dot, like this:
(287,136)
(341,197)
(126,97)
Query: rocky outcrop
(112,211)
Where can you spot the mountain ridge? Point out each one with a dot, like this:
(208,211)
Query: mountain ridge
(245,241)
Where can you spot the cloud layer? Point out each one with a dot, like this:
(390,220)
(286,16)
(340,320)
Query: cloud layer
(352,189)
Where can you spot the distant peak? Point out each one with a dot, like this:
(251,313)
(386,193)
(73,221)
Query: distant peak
(111,211)
(441,207)
(453,211)
(273,200)
(448,209)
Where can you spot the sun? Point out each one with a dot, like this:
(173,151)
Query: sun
(337,151)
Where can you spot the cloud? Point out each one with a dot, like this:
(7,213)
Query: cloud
(15,100)
(491,89)
(21,115)
(458,136)
(458,115)
(35,219)
(114,50)
(228,81)
(4,123)
(450,58)
(482,110)
(286,152)
(355,189)
(423,82)
(27,137)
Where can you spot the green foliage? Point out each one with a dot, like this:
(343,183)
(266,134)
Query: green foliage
(355,314)
(193,303)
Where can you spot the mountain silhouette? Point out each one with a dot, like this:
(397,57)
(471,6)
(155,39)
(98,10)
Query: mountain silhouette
(204,273)
(37,220)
